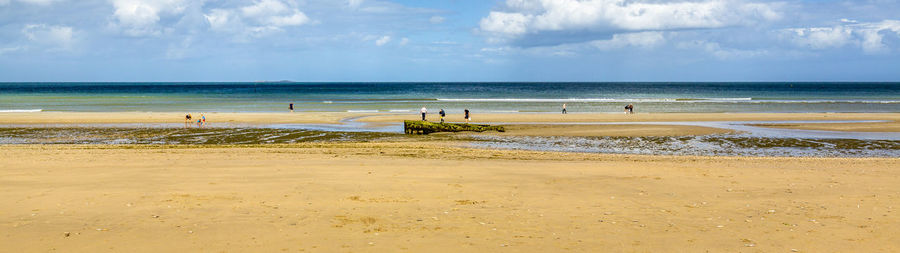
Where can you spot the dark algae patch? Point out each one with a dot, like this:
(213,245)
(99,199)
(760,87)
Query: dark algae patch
(217,136)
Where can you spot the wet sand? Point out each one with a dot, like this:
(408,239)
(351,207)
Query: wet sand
(893,126)
(174,118)
(624,130)
(433,197)
(637,117)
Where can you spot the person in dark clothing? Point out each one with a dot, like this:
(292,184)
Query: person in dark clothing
(291,106)
(629,109)
(564,108)
(423,111)
(442,113)
(467,116)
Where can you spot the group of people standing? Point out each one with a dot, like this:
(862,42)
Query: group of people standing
(188,120)
(443,114)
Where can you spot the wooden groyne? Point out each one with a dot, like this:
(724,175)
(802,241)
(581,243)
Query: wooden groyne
(425,127)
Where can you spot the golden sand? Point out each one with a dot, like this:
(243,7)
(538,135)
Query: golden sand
(426,197)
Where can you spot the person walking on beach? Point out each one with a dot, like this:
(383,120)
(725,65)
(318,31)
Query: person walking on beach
(203,118)
(187,120)
(291,106)
(629,109)
(564,108)
(467,116)
(442,113)
(424,111)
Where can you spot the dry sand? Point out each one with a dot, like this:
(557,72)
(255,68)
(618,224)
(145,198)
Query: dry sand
(430,197)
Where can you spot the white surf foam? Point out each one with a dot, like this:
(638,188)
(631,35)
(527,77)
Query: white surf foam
(25,110)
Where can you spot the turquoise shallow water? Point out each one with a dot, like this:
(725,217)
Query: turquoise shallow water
(453,97)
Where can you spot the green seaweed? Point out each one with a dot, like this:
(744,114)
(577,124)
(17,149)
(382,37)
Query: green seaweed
(425,127)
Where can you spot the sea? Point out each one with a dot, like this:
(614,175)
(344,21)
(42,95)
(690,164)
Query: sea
(478,97)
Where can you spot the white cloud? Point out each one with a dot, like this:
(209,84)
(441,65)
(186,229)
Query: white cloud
(219,19)
(261,18)
(536,16)
(383,40)
(404,41)
(823,37)
(436,19)
(867,36)
(52,37)
(505,24)
(639,39)
(141,17)
(353,4)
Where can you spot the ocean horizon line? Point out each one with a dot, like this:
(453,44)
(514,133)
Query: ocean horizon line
(439,82)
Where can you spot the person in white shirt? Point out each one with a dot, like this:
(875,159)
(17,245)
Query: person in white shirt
(424,111)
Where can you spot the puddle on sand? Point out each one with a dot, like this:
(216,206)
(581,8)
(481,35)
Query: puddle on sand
(720,145)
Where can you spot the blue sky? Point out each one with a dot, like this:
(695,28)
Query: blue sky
(449,40)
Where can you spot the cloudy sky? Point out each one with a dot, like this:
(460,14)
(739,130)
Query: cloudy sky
(449,40)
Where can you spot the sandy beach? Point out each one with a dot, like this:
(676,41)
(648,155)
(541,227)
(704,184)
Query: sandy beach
(439,196)
(415,197)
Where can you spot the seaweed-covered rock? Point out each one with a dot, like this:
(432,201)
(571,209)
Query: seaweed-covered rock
(425,127)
